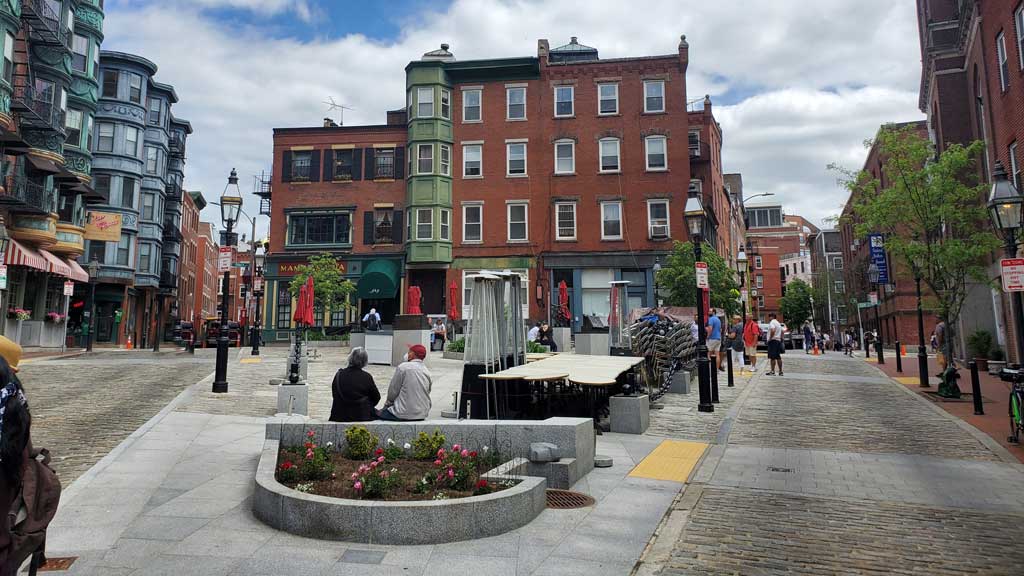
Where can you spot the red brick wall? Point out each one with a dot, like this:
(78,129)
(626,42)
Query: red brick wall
(189,264)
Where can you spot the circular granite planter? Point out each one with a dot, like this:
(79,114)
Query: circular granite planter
(378,522)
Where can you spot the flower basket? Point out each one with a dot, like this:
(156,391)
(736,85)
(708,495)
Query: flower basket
(19,313)
(55,317)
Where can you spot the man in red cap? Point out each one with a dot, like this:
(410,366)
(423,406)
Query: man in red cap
(409,391)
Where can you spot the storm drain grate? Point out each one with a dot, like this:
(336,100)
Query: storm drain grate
(57,564)
(567,499)
(774,469)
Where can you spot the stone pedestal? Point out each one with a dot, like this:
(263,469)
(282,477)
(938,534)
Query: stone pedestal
(681,382)
(378,347)
(357,339)
(595,344)
(294,397)
(562,338)
(629,414)
(409,329)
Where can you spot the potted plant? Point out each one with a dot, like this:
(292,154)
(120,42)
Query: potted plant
(19,314)
(979,345)
(997,361)
(55,317)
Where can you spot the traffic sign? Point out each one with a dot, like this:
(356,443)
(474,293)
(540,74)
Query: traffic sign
(3,277)
(873,298)
(702,274)
(863,305)
(224,260)
(1012,271)
(69,288)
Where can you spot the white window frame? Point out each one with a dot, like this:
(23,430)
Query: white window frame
(508,103)
(558,227)
(600,155)
(621,223)
(1014,166)
(1002,57)
(759,281)
(572,157)
(526,222)
(663,103)
(694,151)
(480,148)
(508,159)
(599,99)
(647,153)
(446,224)
(419,103)
(1018,20)
(650,219)
(419,159)
(479,106)
(446,101)
(758,263)
(446,160)
(479,206)
(419,222)
(572,100)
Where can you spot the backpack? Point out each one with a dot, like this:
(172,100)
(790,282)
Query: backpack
(372,322)
(34,507)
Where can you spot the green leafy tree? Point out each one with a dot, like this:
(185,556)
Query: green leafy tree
(795,306)
(330,289)
(932,213)
(680,279)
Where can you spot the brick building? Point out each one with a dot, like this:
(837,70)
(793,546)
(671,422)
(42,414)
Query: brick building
(192,264)
(827,266)
(207,279)
(770,236)
(707,181)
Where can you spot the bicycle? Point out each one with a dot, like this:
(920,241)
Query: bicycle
(1016,410)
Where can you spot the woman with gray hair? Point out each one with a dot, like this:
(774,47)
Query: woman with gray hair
(355,394)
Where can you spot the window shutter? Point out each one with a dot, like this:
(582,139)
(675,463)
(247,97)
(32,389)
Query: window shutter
(368,227)
(328,165)
(397,226)
(399,162)
(314,166)
(357,164)
(370,172)
(286,166)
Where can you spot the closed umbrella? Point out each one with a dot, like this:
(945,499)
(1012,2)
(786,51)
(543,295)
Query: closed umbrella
(300,306)
(453,302)
(563,300)
(308,312)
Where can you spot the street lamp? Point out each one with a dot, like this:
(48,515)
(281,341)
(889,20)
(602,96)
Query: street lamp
(230,204)
(1004,205)
(873,275)
(758,195)
(657,268)
(922,355)
(94,271)
(741,268)
(257,321)
(694,214)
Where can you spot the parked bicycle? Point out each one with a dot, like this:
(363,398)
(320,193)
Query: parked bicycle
(1015,375)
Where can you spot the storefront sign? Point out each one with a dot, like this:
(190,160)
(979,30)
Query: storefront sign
(224,259)
(3,277)
(702,274)
(292,268)
(1012,270)
(877,244)
(103,226)
(69,288)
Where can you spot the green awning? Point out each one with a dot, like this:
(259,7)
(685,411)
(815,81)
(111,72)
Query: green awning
(379,280)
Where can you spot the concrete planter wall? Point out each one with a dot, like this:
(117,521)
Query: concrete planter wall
(379,522)
(454,355)
(327,343)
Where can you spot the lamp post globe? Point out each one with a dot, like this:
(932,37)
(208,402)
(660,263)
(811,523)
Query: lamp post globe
(1004,205)
(694,214)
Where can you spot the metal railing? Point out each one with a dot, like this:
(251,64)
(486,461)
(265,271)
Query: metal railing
(43,23)
(173,191)
(22,191)
(171,233)
(38,112)
(168,279)
(176,145)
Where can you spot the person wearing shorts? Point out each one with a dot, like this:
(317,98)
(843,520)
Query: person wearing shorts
(736,343)
(774,344)
(714,335)
(751,334)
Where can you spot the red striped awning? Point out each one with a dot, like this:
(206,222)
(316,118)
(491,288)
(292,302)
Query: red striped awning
(18,254)
(56,265)
(78,274)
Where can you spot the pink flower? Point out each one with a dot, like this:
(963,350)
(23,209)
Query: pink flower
(357,486)
(309,454)
(465,453)
(381,459)
(440,452)
(354,475)
(437,462)
(373,465)
(310,433)
(451,473)
(383,473)
(456,447)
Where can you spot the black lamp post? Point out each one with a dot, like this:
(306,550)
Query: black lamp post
(230,204)
(694,213)
(1004,205)
(94,272)
(257,290)
(657,269)
(873,279)
(922,355)
(741,268)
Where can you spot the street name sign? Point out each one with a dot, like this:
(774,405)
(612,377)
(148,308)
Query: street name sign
(702,274)
(1012,271)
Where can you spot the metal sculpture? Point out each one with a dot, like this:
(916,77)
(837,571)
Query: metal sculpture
(667,345)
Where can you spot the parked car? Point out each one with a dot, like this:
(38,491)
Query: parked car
(787,337)
(212,330)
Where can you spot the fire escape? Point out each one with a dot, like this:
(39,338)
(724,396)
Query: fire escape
(261,187)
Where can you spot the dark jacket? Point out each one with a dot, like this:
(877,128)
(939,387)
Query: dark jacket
(355,396)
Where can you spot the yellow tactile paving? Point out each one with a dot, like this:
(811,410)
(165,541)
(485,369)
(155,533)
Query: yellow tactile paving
(672,460)
(907,379)
(251,360)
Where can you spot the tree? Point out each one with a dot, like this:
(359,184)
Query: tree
(679,277)
(932,213)
(330,289)
(795,306)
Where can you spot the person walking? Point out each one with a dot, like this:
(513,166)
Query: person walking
(354,391)
(751,335)
(409,391)
(774,345)
(808,338)
(714,338)
(940,346)
(736,343)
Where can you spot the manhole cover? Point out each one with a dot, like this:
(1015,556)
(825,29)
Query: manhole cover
(774,469)
(57,564)
(566,499)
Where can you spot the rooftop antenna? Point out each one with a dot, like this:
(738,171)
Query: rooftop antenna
(332,106)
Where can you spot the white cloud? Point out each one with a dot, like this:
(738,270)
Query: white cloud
(821,75)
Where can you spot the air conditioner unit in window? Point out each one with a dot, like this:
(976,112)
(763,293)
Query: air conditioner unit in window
(659,232)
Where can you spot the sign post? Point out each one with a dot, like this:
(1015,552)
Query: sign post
(1012,271)
(224,259)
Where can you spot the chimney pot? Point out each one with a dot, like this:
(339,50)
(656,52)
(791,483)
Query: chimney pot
(573,40)
(444,46)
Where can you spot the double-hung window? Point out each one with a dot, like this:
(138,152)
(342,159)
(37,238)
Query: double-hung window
(73,128)
(564,101)
(155,111)
(657,153)
(446,104)
(472,160)
(654,96)
(607,99)
(565,221)
(424,102)
(759,279)
(106,139)
(424,223)
(424,158)
(1014,165)
(446,160)
(517,221)
(515,158)
(384,163)
(609,155)
(301,161)
(611,221)
(128,189)
(515,103)
(131,141)
(80,53)
(123,249)
(342,165)
(472,223)
(8,57)
(446,224)
(101,183)
(757,263)
(565,157)
(151,160)
(471,105)
(657,219)
(1018,19)
(110,78)
(135,88)
(693,141)
(148,206)
(1004,66)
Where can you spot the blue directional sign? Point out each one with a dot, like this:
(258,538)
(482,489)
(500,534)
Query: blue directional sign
(877,244)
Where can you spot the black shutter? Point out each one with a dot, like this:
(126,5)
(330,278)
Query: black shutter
(357,164)
(397,227)
(370,171)
(399,162)
(328,165)
(286,166)
(368,228)
(314,166)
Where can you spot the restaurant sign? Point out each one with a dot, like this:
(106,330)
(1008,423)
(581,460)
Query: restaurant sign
(103,226)
(291,268)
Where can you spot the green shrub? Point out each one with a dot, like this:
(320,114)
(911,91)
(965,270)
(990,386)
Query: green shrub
(998,354)
(425,446)
(287,472)
(535,348)
(457,345)
(979,344)
(392,451)
(359,443)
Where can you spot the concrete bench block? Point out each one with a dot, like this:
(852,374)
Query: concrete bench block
(562,474)
(593,344)
(680,383)
(629,414)
(293,398)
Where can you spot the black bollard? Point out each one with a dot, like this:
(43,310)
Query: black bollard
(714,379)
(979,409)
(899,357)
(728,363)
(878,352)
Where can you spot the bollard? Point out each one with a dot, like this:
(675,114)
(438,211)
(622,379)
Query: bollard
(728,363)
(714,379)
(899,357)
(979,409)
(878,352)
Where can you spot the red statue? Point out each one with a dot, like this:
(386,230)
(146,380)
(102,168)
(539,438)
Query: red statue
(412,300)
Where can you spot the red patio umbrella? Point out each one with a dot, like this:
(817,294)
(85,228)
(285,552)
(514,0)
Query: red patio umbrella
(453,302)
(563,300)
(308,312)
(300,305)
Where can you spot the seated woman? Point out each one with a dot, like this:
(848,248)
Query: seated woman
(15,447)
(355,394)
(546,337)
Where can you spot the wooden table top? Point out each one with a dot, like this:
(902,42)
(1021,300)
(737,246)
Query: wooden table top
(579,368)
